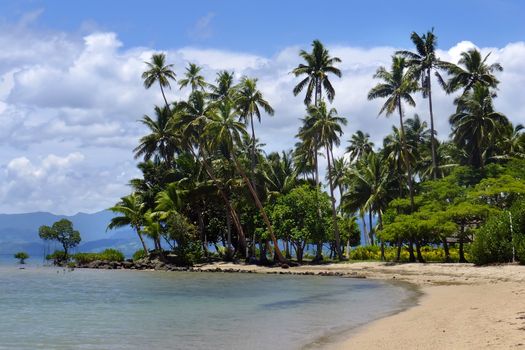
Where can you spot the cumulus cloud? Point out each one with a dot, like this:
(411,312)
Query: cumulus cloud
(69,108)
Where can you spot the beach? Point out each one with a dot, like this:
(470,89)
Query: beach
(461,307)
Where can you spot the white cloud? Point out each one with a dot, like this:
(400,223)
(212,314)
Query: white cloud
(69,108)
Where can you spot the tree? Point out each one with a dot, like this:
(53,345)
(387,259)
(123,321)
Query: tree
(397,87)
(295,217)
(132,213)
(421,64)
(476,124)
(63,232)
(225,133)
(249,100)
(359,146)
(161,141)
(475,70)
(318,64)
(22,257)
(224,88)
(159,71)
(325,126)
(193,78)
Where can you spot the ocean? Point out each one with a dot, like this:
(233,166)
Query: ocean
(55,308)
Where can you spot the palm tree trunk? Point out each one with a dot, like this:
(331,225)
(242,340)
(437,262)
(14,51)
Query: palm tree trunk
(164,97)
(432,136)
(405,152)
(365,233)
(334,213)
(372,241)
(380,218)
(233,213)
(259,205)
(142,241)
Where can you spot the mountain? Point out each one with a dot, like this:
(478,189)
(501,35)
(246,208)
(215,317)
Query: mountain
(19,232)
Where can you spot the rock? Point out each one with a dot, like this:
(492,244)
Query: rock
(285,266)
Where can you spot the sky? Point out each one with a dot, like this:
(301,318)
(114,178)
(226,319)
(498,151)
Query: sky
(71,92)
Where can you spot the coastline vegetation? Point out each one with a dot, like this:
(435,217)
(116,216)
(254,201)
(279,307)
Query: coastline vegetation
(22,257)
(208,188)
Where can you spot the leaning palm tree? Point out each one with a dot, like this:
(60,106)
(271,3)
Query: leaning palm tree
(161,141)
(318,64)
(191,122)
(225,132)
(326,126)
(249,102)
(359,145)
(397,86)
(422,63)
(476,124)
(159,71)
(131,210)
(193,78)
(475,70)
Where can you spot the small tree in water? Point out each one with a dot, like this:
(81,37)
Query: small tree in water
(63,232)
(22,256)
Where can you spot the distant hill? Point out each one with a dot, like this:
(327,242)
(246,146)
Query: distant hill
(20,232)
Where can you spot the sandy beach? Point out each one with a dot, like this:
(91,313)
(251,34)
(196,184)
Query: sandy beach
(461,307)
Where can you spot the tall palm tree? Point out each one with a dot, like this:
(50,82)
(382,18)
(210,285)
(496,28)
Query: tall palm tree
(131,210)
(161,141)
(475,70)
(223,88)
(159,71)
(422,63)
(318,64)
(191,123)
(193,78)
(325,125)
(249,102)
(476,124)
(397,86)
(359,145)
(225,132)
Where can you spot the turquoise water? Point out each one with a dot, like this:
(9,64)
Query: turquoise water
(50,308)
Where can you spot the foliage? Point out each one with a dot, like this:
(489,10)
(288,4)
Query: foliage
(430,254)
(58,257)
(63,232)
(139,254)
(21,256)
(106,255)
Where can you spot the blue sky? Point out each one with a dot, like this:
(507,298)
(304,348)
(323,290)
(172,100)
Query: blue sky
(71,90)
(264,27)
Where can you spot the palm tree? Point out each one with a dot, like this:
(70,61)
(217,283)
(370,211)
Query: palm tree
(326,126)
(359,145)
(397,87)
(161,141)
(225,132)
(249,101)
(318,64)
(475,70)
(132,213)
(193,78)
(422,63)
(224,88)
(476,124)
(191,122)
(159,71)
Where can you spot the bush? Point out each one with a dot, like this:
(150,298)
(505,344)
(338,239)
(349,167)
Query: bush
(22,256)
(430,254)
(106,255)
(59,257)
(188,254)
(494,241)
(139,254)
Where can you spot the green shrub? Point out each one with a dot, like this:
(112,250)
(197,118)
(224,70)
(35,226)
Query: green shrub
(188,254)
(139,254)
(22,256)
(106,255)
(430,254)
(59,257)
(494,241)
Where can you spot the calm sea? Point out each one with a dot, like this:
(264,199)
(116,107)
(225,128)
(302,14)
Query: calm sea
(51,308)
